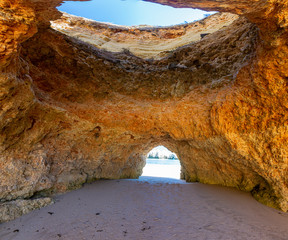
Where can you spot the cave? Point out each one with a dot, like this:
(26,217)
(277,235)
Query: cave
(74,110)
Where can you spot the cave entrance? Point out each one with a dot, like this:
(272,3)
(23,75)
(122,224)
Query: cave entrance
(161,162)
(132,12)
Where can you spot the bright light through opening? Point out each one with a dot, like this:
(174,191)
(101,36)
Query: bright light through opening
(132,12)
(163,163)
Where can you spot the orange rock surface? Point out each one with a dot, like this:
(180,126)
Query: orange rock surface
(72,113)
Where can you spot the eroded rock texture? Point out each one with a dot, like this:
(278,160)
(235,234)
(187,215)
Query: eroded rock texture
(141,41)
(14,209)
(72,113)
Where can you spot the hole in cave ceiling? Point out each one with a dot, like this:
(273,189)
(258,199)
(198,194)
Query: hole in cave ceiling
(132,12)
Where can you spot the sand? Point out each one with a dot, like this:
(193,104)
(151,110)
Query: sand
(150,208)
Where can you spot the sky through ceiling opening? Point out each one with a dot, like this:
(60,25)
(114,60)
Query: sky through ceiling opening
(161,162)
(132,12)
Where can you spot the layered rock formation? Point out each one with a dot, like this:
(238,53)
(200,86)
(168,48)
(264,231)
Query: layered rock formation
(73,113)
(141,41)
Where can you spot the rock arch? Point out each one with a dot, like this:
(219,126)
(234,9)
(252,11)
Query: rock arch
(71,113)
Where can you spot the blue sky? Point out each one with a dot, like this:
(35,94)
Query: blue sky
(131,12)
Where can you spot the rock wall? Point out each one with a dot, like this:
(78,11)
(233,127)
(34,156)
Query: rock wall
(71,113)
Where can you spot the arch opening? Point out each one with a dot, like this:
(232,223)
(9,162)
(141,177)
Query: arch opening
(133,12)
(161,162)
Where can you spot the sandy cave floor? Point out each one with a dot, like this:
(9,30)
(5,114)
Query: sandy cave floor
(150,208)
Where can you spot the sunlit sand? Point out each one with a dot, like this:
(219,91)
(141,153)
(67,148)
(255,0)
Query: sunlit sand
(163,170)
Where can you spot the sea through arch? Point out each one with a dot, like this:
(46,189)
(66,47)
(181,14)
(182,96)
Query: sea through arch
(161,162)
